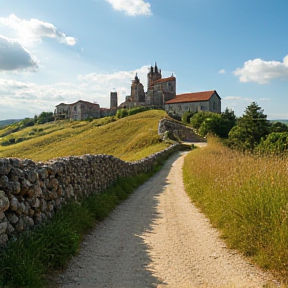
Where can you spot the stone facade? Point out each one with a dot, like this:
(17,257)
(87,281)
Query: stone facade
(30,192)
(113,100)
(161,93)
(208,101)
(158,92)
(79,110)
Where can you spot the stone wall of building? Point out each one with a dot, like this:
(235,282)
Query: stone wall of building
(178,131)
(30,192)
(178,109)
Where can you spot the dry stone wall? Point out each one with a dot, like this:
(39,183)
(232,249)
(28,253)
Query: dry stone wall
(178,131)
(30,193)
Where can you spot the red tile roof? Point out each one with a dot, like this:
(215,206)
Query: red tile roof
(165,80)
(192,97)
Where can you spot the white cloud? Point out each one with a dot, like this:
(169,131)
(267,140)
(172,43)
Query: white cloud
(232,98)
(34,30)
(262,72)
(13,56)
(132,7)
(222,71)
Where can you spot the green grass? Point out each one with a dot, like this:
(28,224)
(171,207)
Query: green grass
(26,261)
(246,197)
(130,138)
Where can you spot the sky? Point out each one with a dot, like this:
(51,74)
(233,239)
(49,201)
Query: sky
(64,51)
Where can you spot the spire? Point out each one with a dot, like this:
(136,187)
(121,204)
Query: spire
(156,68)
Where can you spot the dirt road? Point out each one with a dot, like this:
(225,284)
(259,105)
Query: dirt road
(157,238)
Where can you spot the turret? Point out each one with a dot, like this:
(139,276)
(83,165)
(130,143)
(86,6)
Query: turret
(113,100)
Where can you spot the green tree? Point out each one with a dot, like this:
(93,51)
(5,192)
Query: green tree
(214,123)
(211,125)
(45,117)
(250,128)
(198,118)
(279,127)
(275,143)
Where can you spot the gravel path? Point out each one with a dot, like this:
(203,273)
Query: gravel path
(157,238)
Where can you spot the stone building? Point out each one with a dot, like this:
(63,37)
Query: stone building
(194,102)
(161,93)
(159,90)
(79,110)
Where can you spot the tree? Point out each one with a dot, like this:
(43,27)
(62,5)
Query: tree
(276,143)
(198,118)
(44,117)
(250,128)
(214,123)
(278,127)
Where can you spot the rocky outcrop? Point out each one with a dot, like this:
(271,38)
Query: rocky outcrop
(178,131)
(30,192)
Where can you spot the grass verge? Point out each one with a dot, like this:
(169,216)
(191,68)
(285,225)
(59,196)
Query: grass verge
(25,261)
(246,197)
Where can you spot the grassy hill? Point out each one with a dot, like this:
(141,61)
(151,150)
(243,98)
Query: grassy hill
(130,138)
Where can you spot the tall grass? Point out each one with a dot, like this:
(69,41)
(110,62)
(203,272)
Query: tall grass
(26,261)
(246,197)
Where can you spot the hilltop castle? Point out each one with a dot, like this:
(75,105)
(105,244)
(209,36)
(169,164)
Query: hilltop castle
(159,90)
(161,93)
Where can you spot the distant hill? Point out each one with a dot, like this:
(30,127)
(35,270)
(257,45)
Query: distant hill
(130,138)
(4,123)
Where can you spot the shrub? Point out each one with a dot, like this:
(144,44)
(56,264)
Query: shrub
(275,143)
(186,117)
(121,113)
(20,139)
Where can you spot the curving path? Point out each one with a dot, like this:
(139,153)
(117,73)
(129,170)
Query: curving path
(157,238)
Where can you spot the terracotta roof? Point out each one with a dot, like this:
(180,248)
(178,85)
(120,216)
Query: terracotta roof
(164,80)
(192,97)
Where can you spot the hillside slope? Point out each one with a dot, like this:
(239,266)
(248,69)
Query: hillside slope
(130,138)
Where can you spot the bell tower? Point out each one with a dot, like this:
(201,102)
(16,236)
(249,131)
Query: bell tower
(153,75)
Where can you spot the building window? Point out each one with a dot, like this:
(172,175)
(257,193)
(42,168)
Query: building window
(214,105)
(75,108)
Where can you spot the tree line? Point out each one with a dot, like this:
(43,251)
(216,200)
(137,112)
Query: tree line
(251,132)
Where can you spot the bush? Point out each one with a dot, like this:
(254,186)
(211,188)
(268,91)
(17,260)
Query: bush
(275,143)
(20,139)
(121,113)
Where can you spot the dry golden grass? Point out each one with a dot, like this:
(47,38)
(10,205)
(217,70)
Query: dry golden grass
(246,197)
(130,138)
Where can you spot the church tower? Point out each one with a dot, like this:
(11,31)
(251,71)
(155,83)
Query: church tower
(113,100)
(153,75)
(137,91)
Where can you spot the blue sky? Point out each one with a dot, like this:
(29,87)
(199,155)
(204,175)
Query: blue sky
(64,51)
